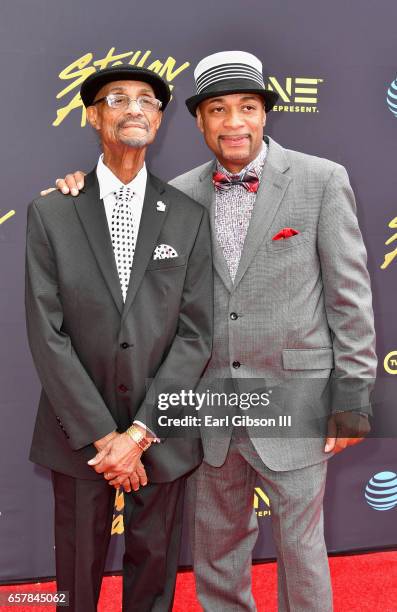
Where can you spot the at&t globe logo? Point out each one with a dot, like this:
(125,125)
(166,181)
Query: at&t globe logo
(392,97)
(381,491)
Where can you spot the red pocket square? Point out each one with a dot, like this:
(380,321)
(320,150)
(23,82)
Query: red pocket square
(286,232)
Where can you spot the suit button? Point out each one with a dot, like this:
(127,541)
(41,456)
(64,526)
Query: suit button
(233,316)
(124,345)
(123,388)
(236,365)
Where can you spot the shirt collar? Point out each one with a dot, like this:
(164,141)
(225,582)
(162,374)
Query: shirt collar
(256,164)
(108,182)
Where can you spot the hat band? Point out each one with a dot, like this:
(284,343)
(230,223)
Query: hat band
(231,85)
(227,72)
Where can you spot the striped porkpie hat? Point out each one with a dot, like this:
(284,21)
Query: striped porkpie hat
(229,72)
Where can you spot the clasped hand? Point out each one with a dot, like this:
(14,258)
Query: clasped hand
(119,460)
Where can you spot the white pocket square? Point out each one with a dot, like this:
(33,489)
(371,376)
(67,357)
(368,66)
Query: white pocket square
(164,251)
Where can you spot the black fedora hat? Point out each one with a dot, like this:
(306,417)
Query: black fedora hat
(229,72)
(95,81)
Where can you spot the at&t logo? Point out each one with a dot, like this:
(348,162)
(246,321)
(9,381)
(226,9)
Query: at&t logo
(391,98)
(381,491)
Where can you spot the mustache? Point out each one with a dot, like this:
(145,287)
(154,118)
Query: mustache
(124,122)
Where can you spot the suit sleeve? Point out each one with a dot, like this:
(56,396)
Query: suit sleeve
(192,345)
(78,405)
(347,293)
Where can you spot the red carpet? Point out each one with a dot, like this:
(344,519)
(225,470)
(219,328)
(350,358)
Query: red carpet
(361,583)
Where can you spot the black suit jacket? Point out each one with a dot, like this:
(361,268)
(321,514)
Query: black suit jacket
(94,354)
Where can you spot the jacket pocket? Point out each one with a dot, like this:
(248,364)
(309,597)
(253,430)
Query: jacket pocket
(170,262)
(308,359)
(288,243)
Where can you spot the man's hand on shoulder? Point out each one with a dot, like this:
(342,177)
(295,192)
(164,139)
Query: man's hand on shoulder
(72,183)
(346,429)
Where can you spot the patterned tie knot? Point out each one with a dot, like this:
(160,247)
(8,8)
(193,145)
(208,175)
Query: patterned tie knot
(124,194)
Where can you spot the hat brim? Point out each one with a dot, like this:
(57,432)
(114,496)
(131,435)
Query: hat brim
(97,80)
(223,89)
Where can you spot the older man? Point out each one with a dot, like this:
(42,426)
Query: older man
(118,294)
(292,307)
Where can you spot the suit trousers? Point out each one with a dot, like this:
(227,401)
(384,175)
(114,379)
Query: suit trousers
(83,520)
(152,529)
(224,529)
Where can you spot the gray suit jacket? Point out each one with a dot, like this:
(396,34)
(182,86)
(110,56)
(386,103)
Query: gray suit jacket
(93,353)
(303,304)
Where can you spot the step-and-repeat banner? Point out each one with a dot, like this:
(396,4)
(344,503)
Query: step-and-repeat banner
(334,66)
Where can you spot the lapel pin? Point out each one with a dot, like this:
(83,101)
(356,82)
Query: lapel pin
(160,206)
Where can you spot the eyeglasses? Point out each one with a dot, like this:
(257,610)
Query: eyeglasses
(122,102)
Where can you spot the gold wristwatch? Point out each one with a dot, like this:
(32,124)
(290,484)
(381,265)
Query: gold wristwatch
(138,437)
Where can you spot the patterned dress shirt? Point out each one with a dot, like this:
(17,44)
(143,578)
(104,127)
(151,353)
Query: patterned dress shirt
(233,210)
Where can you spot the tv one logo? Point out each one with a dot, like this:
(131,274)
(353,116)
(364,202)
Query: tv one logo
(381,491)
(390,362)
(296,94)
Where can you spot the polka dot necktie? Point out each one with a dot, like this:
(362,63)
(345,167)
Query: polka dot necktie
(123,237)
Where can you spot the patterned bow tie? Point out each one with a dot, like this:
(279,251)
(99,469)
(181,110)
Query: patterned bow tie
(224,182)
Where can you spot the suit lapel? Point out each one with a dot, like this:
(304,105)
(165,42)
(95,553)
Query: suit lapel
(150,226)
(92,215)
(273,185)
(206,196)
